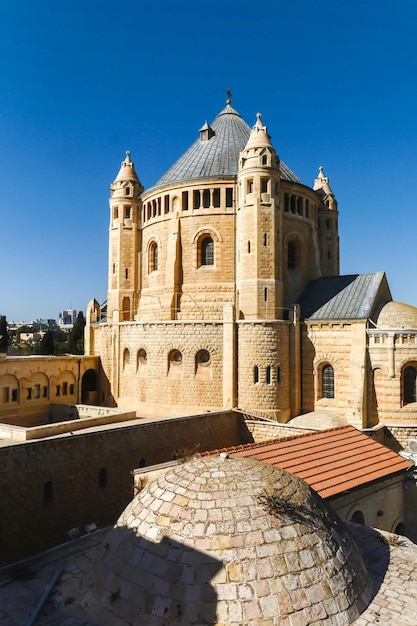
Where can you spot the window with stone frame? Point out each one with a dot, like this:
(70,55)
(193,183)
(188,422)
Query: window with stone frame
(327,381)
(207,251)
(153,257)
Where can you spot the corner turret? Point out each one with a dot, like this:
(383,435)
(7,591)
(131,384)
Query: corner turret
(328,226)
(259,273)
(124,242)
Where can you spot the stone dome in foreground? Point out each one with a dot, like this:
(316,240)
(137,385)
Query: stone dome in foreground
(227,541)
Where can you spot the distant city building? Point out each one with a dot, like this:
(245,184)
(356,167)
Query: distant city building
(67,318)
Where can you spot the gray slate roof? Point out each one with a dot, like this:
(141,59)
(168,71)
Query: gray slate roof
(217,157)
(341,297)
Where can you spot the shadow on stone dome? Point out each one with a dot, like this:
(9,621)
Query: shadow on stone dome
(163,583)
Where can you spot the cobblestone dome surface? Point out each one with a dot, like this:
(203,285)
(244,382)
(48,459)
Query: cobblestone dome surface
(227,541)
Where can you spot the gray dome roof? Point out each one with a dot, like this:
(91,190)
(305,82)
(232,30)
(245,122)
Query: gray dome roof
(218,156)
(227,541)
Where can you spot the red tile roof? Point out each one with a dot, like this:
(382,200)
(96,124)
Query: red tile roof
(330,461)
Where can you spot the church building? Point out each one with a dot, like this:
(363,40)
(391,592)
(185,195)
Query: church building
(224,291)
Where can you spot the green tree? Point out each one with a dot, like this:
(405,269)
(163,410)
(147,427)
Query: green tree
(76,338)
(4,337)
(46,345)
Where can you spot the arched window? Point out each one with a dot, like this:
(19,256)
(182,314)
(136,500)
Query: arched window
(327,382)
(292,254)
(409,384)
(358,518)
(153,257)
(207,251)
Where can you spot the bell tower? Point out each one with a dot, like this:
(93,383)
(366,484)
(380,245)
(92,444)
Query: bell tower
(124,242)
(259,271)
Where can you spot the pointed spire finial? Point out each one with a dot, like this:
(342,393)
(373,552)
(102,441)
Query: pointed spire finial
(127,156)
(229,96)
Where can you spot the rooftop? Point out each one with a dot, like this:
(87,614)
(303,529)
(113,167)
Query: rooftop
(330,461)
(216,153)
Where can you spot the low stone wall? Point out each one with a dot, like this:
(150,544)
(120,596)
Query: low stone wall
(263,431)
(50,486)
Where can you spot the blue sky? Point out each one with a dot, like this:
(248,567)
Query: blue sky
(81,82)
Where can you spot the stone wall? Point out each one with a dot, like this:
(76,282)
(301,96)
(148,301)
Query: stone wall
(264,367)
(51,486)
(343,346)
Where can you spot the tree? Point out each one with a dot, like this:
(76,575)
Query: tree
(76,338)
(4,337)
(46,345)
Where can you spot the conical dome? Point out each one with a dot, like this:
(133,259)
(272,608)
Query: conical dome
(127,170)
(227,541)
(215,154)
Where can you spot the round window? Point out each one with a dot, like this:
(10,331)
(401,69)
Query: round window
(203,357)
(175,357)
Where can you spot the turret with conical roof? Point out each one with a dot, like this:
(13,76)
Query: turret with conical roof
(124,241)
(259,273)
(328,225)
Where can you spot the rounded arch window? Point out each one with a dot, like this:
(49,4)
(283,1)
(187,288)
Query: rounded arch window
(327,381)
(292,254)
(142,357)
(358,518)
(175,357)
(203,358)
(207,251)
(400,529)
(153,257)
(409,384)
(126,356)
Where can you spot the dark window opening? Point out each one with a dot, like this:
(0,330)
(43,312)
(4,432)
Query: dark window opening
(153,257)
(207,251)
(278,374)
(264,160)
(196,199)
(14,395)
(126,273)
(29,395)
(358,518)
(47,493)
(268,375)
(292,255)
(327,380)
(410,385)
(65,389)
(185,200)
(264,185)
(216,198)
(286,202)
(249,185)
(128,212)
(256,374)
(300,206)
(206,198)
(102,478)
(166,204)
(265,294)
(265,239)
(229,197)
